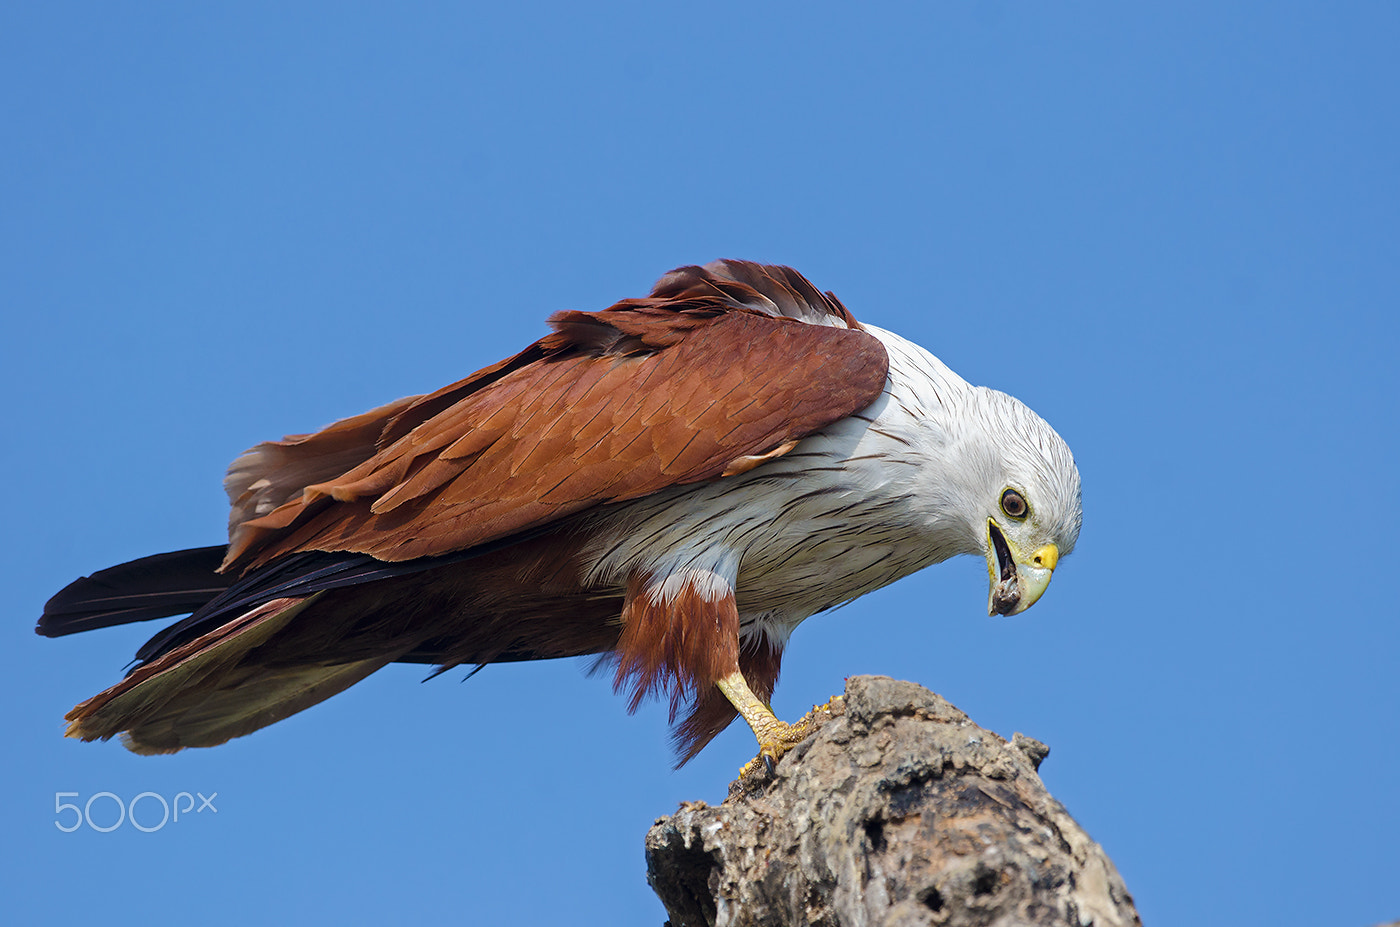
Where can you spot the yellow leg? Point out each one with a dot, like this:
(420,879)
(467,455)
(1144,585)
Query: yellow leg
(774,737)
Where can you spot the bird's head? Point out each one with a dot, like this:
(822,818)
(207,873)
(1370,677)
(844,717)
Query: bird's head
(1028,508)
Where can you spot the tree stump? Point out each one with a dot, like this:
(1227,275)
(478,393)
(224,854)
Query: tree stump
(898,811)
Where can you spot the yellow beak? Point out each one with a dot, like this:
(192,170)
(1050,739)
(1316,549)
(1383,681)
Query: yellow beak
(1017,581)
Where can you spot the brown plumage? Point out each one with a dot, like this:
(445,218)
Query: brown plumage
(614,405)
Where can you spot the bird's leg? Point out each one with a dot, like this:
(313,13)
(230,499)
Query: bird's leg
(774,737)
(684,625)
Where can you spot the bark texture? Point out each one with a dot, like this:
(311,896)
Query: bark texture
(898,811)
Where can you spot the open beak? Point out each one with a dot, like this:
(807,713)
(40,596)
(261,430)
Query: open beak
(1017,581)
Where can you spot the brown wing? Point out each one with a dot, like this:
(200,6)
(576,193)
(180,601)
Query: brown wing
(708,376)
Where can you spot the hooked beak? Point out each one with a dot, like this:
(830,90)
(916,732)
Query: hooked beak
(1017,581)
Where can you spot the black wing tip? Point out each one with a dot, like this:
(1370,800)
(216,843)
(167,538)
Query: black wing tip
(157,586)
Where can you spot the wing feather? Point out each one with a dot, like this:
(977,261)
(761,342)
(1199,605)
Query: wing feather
(721,369)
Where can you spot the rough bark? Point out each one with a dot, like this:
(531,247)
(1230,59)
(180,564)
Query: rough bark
(898,811)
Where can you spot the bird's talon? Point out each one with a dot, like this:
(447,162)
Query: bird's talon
(779,738)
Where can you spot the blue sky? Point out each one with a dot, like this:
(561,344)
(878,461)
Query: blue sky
(1171,229)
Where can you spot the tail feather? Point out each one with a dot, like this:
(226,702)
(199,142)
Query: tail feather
(239,662)
(159,586)
(205,692)
(230,712)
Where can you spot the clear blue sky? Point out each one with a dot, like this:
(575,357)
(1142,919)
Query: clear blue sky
(1169,228)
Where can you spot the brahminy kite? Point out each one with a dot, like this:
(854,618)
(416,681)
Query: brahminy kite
(674,483)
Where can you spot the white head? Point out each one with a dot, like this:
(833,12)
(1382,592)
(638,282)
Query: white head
(1019,491)
(992,476)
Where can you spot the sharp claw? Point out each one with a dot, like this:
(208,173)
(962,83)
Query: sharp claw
(779,742)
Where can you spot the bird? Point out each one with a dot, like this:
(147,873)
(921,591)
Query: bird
(670,485)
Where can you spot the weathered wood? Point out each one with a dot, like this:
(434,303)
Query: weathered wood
(899,811)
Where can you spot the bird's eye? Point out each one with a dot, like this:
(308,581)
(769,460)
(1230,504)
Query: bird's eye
(1014,504)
